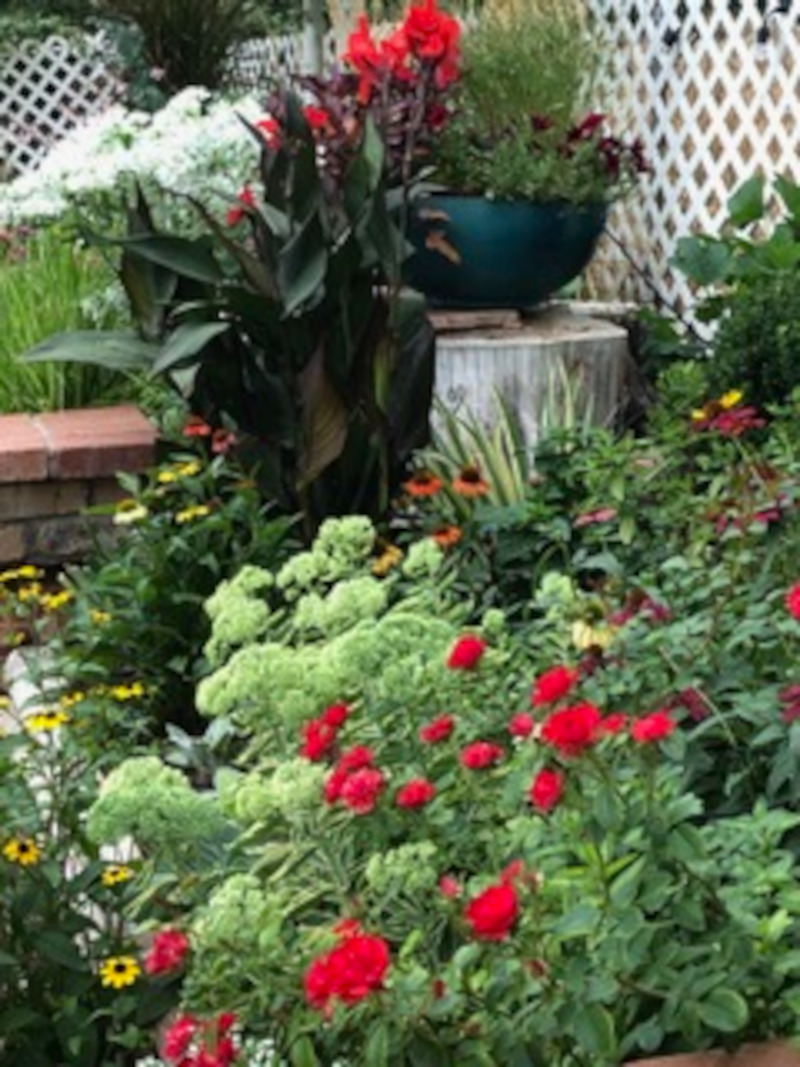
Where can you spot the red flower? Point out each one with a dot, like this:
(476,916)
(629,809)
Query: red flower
(573,729)
(353,759)
(316,117)
(449,887)
(521,725)
(432,34)
(792,601)
(222,441)
(361,789)
(178,1037)
(553,684)
(653,727)
(318,739)
(332,789)
(415,794)
(167,953)
(614,723)
(546,789)
(349,972)
(588,518)
(693,701)
(246,199)
(493,912)
(466,653)
(196,427)
(270,130)
(437,730)
(480,754)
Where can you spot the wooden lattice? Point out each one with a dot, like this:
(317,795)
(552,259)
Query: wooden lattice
(712,89)
(46,88)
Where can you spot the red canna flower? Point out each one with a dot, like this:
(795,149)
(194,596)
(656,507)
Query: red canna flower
(653,727)
(553,685)
(415,794)
(466,653)
(480,754)
(245,200)
(546,789)
(437,730)
(493,913)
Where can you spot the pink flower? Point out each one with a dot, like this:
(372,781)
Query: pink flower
(437,730)
(466,653)
(553,685)
(546,789)
(415,794)
(167,953)
(449,887)
(653,727)
(521,725)
(480,754)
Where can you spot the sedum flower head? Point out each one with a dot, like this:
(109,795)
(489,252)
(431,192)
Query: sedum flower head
(292,790)
(410,868)
(424,559)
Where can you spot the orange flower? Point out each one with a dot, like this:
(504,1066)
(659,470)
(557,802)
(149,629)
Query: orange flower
(446,536)
(470,483)
(422,483)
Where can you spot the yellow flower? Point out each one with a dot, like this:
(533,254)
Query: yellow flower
(585,635)
(29,592)
(731,399)
(54,601)
(98,616)
(128,512)
(197,511)
(46,720)
(127,692)
(179,470)
(5,701)
(26,571)
(22,850)
(388,559)
(119,971)
(66,700)
(115,874)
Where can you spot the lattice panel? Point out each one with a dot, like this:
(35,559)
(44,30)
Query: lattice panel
(46,89)
(714,98)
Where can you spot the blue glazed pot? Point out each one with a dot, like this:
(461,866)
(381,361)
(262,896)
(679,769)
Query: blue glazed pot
(512,253)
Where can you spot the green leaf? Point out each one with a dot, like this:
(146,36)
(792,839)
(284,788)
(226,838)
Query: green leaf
(302,1053)
(747,203)
(724,1010)
(376,1051)
(702,259)
(113,349)
(186,258)
(789,192)
(579,922)
(186,341)
(60,949)
(302,264)
(594,1029)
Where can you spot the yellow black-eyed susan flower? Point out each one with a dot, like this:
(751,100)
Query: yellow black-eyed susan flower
(117,972)
(116,873)
(22,850)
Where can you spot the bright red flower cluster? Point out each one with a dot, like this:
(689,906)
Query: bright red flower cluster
(553,685)
(167,953)
(546,789)
(355,781)
(319,735)
(437,730)
(415,794)
(351,971)
(480,754)
(792,601)
(574,729)
(653,727)
(493,913)
(466,653)
(193,1042)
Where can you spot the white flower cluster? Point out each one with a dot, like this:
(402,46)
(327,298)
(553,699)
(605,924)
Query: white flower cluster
(196,144)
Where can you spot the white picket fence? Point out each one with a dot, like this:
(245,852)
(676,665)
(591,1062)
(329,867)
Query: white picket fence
(711,102)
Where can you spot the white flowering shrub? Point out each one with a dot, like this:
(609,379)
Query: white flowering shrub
(196,144)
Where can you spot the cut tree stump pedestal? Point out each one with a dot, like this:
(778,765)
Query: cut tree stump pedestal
(555,360)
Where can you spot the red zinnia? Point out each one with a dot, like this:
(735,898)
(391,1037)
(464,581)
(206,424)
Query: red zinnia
(480,754)
(546,789)
(466,653)
(614,723)
(553,684)
(349,972)
(572,729)
(361,789)
(792,601)
(178,1037)
(437,730)
(415,794)
(353,759)
(167,953)
(653,727)
(318,739)
(521,725)
(493,912)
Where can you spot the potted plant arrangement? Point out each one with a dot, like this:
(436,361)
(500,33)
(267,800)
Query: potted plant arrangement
(527,171)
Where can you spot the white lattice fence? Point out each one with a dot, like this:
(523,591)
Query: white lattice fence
(46,88)
(715,99)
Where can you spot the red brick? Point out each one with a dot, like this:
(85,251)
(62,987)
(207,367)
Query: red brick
(97,442)
(23,450)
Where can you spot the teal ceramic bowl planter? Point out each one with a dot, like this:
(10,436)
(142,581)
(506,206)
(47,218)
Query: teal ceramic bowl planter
(510,253)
